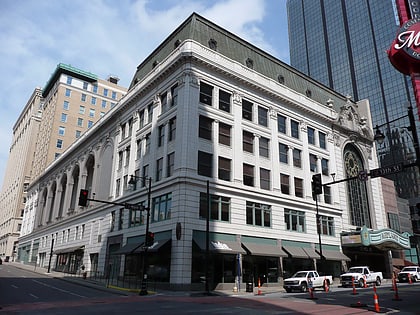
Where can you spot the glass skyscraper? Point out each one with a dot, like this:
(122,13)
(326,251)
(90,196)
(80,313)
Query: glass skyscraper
(343,44)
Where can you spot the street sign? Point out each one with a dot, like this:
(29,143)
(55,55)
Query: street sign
(387,170)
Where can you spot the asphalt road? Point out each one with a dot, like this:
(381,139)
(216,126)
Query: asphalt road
(19,287)
(25,292)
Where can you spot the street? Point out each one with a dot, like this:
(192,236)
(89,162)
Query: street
(26,292)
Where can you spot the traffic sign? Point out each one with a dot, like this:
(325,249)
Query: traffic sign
(387,170)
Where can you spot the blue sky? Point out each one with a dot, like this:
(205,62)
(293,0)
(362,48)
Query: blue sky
(109,37)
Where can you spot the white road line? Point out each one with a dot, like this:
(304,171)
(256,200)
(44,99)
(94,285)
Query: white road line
(58,289)
(34,296)
(14,286)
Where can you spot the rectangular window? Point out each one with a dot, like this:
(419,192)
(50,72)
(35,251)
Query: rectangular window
(63,117)
(311,135)
(299,187)
(81,110)
(61,130)
(297,161)
(224,168)
(149,113)
(145,174)
(159,169)
(83,97)
(78,134)
(258,214)
(148,140)
(91,113)
(103,104)
(90,123)
(94,88)
(121,219)
(136,217)
(68,92)
(312,162)
(85,85)
(161,135)
(141,119)
(66,105)
(283,153)
(114,95)
(324,167)
(294,125)
(247,110)
(117,187)
(248,141)
(174,94)
(285,184)
(393,221)
(127,155)
(265,182)
(59,144)
(248,174)
(327,225)
(327,194)
(206,93)
(264,144)
(69,79)
(93,100)
(224,101)
(170,164)
(224,133)
(138,152)
(106,92)
(164,101)
(294,220)
(322,140)
(205,127)
(172,129)
(262,116)
(205,164)
(120,159)
(281,124)
(219,207)
(161,208)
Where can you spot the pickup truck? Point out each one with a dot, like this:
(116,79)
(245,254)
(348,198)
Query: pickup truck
(413,271)
(302,280)
(359,275)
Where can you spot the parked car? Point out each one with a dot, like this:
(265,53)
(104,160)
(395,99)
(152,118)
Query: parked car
(1,261)
(360,275)
(302,280)
(412,271)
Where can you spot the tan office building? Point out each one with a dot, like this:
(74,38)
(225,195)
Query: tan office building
(54,117)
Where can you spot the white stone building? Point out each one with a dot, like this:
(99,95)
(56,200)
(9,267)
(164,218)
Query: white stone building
(208,107)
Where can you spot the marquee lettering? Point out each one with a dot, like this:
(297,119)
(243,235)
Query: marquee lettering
(408,41)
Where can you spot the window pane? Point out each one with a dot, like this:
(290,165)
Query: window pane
(281,124)
(206,93)
(262,116)
(224,101)
(246,110)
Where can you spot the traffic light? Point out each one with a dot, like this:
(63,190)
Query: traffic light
(150,238)
(316,184)
(83,197)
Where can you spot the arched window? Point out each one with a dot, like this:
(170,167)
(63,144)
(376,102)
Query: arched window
(356,189)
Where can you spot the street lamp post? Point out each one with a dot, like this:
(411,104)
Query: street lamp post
(133,181)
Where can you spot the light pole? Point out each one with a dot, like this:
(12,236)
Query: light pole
(133,181)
